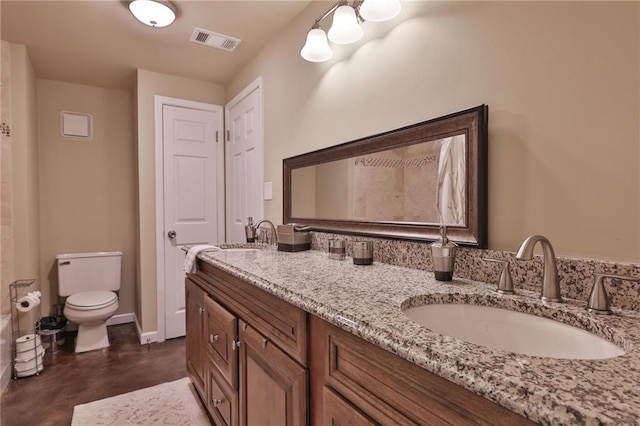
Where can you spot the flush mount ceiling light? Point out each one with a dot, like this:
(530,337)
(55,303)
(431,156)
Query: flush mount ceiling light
(154,13)
(345,29)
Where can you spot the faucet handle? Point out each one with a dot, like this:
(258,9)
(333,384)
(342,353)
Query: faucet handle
(505,284)
(598,302)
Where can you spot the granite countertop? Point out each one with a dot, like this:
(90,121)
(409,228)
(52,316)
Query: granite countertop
(368,300)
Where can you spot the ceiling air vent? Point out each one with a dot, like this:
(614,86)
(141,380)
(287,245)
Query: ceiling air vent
(211,39)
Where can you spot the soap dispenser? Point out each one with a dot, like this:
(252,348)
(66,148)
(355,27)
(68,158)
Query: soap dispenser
(443,254)
(250,230)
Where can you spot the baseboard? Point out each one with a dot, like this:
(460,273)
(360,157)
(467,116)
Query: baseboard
(121,319)
(146,338)
(114,320)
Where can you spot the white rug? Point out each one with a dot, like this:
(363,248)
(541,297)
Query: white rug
(172,403)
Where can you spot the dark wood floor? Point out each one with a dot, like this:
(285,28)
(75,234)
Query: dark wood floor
(69,379)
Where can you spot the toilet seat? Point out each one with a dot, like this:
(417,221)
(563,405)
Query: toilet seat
(91,300)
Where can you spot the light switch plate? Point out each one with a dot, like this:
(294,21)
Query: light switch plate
(268,191)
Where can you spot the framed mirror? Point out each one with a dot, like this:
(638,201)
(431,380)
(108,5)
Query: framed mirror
(401,184)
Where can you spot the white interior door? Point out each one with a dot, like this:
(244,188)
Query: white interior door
(244,161)
(191,197)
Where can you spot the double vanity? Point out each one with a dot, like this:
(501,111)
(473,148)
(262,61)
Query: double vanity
(308,339)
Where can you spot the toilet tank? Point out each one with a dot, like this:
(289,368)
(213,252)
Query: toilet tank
(78,272)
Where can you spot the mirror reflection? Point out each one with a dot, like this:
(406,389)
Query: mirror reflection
(421,183)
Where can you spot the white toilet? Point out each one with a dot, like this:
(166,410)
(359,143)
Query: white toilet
(88,281)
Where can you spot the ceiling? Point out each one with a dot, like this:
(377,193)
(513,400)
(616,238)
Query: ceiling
(99,42)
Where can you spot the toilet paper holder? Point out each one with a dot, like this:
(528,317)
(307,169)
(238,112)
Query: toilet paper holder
(24,333)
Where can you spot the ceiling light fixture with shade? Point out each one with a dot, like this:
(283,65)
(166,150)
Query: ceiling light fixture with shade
(154,13)
(345,29)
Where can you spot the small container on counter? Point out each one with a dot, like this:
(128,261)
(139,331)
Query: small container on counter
(337,249)
(250,230)
(363,252)
(443,253)
(293,237)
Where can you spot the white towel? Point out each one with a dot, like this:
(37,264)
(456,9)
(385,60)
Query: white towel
(190,259)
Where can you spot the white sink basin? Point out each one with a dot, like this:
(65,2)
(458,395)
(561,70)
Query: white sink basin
(512,331)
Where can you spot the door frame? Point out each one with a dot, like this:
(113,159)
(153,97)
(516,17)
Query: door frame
(254,85)
(159,103)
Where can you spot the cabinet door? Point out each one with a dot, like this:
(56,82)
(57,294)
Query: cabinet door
(273,387)
(221,335)
(195,335)
(338,412)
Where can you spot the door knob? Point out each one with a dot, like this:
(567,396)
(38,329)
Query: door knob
(171,234)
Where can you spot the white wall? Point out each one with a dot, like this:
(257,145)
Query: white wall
(561,80)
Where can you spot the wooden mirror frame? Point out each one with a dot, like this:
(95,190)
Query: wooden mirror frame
(471,122)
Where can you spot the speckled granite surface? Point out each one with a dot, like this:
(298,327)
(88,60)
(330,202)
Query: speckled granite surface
(576,275)
(368,301)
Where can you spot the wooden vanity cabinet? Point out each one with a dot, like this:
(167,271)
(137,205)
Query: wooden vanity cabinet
(258,360)
(364,384)
(212,363)
(253,351)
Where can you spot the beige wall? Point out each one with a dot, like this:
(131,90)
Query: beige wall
(561,80)
(87,188)
(6,192)
(150,84)
(20,227)
(24,160)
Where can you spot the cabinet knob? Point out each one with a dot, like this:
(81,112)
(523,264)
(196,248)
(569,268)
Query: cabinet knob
(235,344)
(213,337)
(201,310)
(264,343)
(217,402)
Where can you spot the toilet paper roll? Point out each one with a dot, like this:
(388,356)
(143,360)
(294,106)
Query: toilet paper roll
(35,294)
(28,342)
(27,303)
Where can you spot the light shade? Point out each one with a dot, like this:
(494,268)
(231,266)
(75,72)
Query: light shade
(155,13)
(379,10)
(316,48)
(345,28)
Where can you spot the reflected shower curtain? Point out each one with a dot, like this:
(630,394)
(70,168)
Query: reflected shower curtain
(450,198)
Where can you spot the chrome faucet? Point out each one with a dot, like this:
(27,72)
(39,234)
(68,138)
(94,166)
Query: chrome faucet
(273,239)
(550,282)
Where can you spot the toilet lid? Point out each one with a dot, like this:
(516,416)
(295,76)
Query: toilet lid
(92,299)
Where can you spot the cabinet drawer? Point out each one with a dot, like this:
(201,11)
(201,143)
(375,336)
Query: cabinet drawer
(221,333)
(282,323)
(337,411)
(223,401)
(392,390)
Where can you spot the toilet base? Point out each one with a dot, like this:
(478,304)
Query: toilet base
(92,336)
